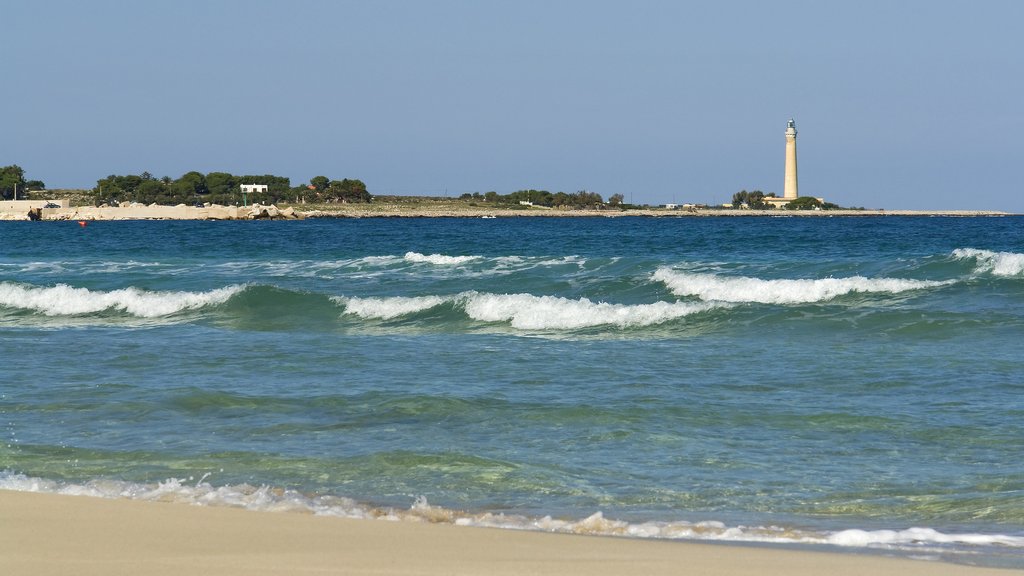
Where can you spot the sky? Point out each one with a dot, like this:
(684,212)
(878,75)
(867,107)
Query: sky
(899,105)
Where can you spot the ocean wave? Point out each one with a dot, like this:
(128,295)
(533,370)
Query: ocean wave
(742,289)
(389,308)
(198,491)
(64,300)
(995,263)
(528,312)
(438,259)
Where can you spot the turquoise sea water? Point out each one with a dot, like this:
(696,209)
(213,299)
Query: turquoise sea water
(849,382)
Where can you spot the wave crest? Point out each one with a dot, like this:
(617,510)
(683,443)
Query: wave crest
(526,311)
(995,263)
(742,289)
(389,308)
(64,300)
(438,259)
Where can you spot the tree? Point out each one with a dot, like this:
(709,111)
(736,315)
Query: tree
(150,191)
(321,183)
(188,186)
(12,179)
(616,200)
(221,186)
(804,203)
(348,190)
(753,199)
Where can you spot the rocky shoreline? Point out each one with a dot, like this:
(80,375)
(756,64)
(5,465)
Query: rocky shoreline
(271,212)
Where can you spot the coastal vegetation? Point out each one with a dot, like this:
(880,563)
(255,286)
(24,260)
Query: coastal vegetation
(755,200)
(325,194)
(223,188)
(13,182)
(580,200)
(810,203)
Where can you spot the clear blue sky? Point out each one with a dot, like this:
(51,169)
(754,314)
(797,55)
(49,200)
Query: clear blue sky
(912,104)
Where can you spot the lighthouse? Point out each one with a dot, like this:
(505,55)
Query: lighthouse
(789,191)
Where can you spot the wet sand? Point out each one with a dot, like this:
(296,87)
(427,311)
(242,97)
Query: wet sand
(48,534)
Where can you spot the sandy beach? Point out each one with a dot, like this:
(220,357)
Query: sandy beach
(43,534)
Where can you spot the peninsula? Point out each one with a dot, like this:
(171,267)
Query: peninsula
(418,207)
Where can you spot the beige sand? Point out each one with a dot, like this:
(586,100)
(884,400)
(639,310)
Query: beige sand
(44,534)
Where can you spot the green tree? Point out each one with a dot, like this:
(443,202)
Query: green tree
(321,183)
(348,190)
(150,191)
(616,200)
(804,203)
(186,188)
(12,179)
(220,186)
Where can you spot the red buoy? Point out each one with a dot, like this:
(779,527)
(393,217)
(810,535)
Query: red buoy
(82,223)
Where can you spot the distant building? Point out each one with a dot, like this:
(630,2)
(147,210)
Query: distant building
(251,188)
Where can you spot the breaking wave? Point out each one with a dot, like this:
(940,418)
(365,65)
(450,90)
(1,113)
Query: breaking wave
(389,308)
(742,289)
(269,499)
(995,263)
(528,312)
(438,259)
(64,300)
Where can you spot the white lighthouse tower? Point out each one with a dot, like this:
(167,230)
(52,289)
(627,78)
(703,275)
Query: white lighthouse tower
(789,191)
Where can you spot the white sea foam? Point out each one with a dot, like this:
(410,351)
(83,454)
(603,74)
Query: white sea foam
(438,259)
(917,536)
(526,311)
(529,312)
(64,300)
(268,499)
(388,308)
(713,287)
(996,263)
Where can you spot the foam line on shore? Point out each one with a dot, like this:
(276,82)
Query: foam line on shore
(51,535)
(916,540)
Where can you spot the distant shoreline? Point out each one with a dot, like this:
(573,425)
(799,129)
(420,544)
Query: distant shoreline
(440,209)
(656,213)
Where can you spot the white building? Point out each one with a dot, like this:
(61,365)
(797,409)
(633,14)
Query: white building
(251,188)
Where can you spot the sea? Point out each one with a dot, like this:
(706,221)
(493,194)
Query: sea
(842,383)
